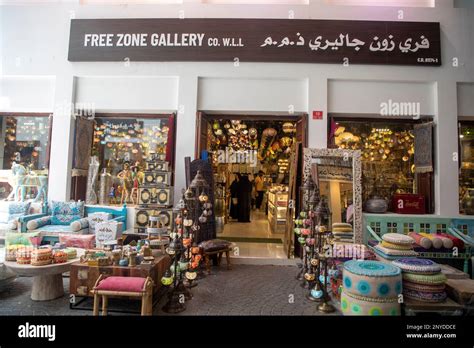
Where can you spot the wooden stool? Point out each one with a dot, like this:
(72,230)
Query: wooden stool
(123,287)
(207,257)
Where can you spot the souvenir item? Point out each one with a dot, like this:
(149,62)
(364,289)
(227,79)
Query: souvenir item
(11,250)
(408,204)
(41,257)
(157,178)
(167,278)
(425,296)
(159,196)
(425,279)
(437,242)
(414,265)
(123,262)
(60,257)
(23,255)
(365,306)
(397,238)
(372,279)
(420,240)
(142,218)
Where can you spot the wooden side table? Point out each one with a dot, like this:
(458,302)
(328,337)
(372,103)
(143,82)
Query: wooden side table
(207,258)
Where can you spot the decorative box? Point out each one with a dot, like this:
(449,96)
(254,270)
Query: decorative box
(108,230)
(161,166)
(142,218)
(408,204)
(157,178)
(162,196)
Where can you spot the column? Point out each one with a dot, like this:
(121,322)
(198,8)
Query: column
(59,186)
(446,149)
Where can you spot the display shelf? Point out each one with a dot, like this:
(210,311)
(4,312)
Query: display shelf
(277,210)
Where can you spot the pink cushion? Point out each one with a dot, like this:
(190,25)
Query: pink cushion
(84,241)
(127,284)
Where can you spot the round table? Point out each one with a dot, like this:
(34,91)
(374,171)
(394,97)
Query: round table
(47,280)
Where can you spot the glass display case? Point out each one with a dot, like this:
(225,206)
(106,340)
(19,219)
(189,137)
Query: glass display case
(277,207)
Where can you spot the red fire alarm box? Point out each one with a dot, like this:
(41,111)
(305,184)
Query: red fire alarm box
(404,203)
(317,115)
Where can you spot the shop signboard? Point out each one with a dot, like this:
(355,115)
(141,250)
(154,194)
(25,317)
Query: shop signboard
(255,40)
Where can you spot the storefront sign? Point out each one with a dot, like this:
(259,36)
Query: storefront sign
(255,40)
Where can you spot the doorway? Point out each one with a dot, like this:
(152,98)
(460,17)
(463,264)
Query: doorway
(256,161)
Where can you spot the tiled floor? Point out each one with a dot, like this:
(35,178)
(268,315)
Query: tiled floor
(257,228)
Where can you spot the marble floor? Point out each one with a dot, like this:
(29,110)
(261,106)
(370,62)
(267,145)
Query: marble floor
(257,228)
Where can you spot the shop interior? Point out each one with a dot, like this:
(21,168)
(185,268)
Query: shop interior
(252,162)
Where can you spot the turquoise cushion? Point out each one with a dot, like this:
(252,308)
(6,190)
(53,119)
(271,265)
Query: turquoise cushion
(14,211)
(63,213)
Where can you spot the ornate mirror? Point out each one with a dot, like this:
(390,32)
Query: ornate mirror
(337,173)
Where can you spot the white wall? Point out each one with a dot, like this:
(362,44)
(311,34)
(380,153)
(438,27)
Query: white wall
(366,97)
(269,94)
(27,94)
(128,94)
(38,47)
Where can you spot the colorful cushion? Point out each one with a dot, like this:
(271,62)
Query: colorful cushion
(37,223)
(126,284)
(397,238)
(12,238)
(428,279)
(424,287)
(63,213)
(415,265)
(359,305)
(458,243)
(447,243)
(84,241)
(14,211)
(396,246)
(79,224)
(420,240)
(425,296)
(371,279)
(394,252)
(437,243)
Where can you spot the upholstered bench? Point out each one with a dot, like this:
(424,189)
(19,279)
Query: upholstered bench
(216,248)
(123,287)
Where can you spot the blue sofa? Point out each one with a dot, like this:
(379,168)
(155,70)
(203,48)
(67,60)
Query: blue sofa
(43,222)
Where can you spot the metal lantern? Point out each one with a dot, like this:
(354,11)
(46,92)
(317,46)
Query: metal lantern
(305,192)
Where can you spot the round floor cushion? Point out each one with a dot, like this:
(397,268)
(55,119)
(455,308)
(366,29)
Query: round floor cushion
(360,305)
(425,296)
(427,279)
(423,287)
(414,265)
(396,246)
(372,279)
(397,238)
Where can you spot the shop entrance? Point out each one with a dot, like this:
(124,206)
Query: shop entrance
(256,161)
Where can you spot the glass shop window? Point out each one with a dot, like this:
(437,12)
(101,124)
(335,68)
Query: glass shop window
(24,151)
(388,158)
(132,141)
(466,170)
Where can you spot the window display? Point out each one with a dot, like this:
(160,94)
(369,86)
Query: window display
(388,159)
(124,147)
(466,170)
(25,156)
